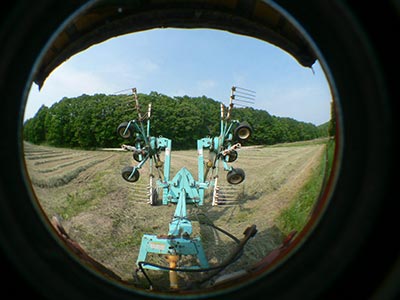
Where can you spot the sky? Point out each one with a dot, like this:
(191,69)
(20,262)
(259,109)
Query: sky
(193,62)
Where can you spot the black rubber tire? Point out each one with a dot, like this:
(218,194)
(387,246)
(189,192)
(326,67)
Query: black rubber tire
(126,174)
(136,157)
(243,132)
(235,176)
(122,128)
(232,156)
(345,249)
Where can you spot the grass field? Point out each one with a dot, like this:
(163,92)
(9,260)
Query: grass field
(107,216)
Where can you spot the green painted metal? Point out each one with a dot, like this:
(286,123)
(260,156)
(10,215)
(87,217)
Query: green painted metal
(182,189)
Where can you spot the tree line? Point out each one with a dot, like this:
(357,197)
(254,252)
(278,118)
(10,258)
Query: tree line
(90,121)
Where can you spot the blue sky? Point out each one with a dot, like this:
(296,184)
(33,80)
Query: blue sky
(192,62)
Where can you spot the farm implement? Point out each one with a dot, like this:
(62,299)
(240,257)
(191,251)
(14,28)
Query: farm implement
(213,154)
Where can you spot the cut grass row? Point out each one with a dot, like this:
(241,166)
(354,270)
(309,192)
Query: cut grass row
(62,166)
(65,178)
(56,160)
(108,216)
(55,167)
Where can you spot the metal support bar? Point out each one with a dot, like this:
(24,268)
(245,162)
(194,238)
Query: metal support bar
(180,224)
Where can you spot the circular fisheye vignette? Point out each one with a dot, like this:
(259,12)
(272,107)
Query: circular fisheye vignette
(319,210)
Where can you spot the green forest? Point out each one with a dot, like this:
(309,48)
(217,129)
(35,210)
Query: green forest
(90,121)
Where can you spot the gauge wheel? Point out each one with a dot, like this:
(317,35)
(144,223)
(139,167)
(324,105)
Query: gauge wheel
(124,131)
(138,157)
(128,176)
(232,156)
(235,176)
(243,131)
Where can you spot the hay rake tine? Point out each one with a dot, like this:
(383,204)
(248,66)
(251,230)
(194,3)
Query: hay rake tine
(243,89)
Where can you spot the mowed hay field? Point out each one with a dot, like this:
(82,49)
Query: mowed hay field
(107,216)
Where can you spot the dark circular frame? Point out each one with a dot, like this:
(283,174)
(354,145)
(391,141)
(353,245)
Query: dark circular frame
(344,250)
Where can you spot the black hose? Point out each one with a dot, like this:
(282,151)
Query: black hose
(249,232)
(209,223)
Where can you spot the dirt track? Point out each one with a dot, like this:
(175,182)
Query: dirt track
(108,216)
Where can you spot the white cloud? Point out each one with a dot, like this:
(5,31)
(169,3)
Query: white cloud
(239,79)
(148,66)
(72,82)
(206,84)
(179,92)
(66,81)
(308,103)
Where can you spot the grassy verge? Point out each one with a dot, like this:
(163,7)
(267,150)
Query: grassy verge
(296,215)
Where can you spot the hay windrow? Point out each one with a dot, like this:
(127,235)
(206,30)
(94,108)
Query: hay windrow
(107,216)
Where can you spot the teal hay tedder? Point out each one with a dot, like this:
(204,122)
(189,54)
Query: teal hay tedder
(183,189)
